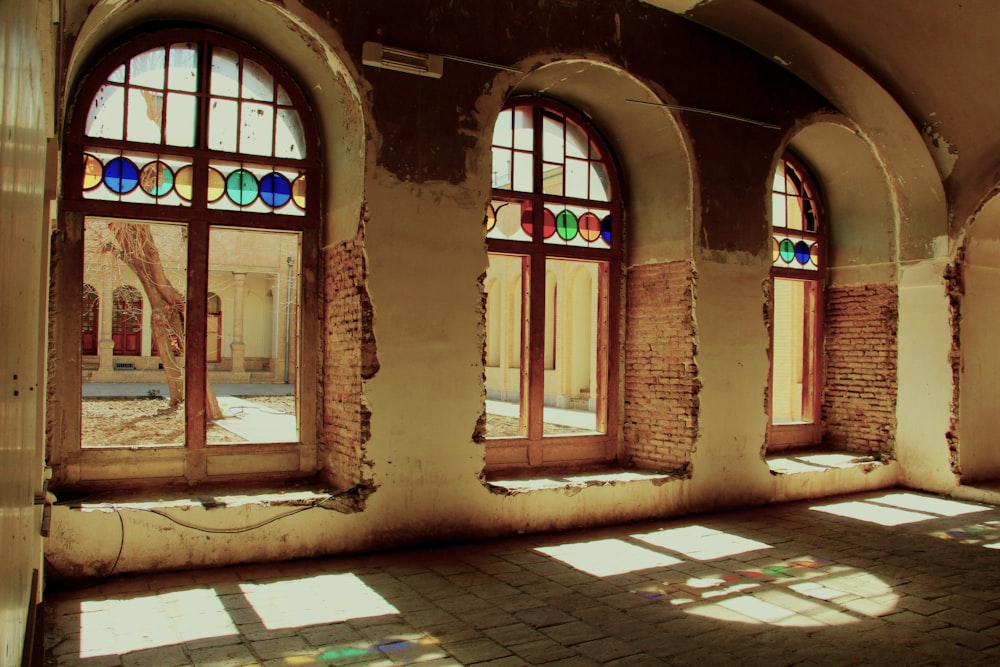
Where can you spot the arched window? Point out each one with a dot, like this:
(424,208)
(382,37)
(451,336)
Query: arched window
(555,211)
(126,321)
(797,276)
(188,153)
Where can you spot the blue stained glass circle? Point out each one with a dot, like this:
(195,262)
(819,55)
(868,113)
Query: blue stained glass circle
(606,229)
(275,189)
(802,253)
(121,175)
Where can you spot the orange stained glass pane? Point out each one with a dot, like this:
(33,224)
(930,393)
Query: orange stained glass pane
(93,171)
(299,191)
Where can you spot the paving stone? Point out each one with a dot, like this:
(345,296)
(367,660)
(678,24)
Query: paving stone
(472,651)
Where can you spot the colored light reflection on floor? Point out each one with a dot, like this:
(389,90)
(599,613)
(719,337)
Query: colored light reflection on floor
(117,626)
(802,592)
(605,558)
(329,598)
(701,543)
(986,534)
(897,509)
(404,649)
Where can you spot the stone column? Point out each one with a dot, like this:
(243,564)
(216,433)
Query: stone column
(238,347)
(105,345)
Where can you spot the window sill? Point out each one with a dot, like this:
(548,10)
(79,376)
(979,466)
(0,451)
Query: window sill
(511,484)
(208,498)
(790,462)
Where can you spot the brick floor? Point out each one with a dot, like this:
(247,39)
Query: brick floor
(842,581)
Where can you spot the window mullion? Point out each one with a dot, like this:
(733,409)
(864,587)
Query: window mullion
(194,335)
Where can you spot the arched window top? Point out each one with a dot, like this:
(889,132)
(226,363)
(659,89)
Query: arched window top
(552,166)
(163,108)
(796,222)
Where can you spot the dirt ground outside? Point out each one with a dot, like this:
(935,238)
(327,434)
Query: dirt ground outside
(124,422)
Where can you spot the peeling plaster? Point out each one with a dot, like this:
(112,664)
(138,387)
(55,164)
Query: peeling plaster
(945,154)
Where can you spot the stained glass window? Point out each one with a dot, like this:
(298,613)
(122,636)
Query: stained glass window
(553,235)
(195,95)
(794,218)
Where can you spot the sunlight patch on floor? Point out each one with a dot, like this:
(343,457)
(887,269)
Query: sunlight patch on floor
(604,558)
(701,543)
(329,598)
(117,626)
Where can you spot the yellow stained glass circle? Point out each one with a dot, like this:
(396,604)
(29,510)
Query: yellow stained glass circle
(491,218)
(183,182)
(216,184)
(93,172)
(299,191)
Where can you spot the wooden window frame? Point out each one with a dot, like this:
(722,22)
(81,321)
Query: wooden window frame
(784,436)
(536,451)
(194,463)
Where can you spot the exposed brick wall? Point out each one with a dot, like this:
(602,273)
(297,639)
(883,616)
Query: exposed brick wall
(859,397)
(661,379)
(349,356)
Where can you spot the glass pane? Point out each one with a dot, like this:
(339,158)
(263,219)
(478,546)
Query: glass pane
(253,332)
(289,139)
(183,71)
(133,364)
(778,212)
(523,176)
(106,118)
(600,188)
(552,140)
(502,130)
(552,179)
(258,84)
(222,125)
(577,143)
(505,320)
(792,351)
(502,164)
(524,136)
(257,129)
(577,178)
(147,69)
(506,220)
(145,115)
(182,114)
(225,73)
(576,336)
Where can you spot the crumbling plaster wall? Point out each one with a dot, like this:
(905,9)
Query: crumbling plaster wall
(410,156)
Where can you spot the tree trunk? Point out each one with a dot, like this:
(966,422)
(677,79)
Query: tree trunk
(138,250)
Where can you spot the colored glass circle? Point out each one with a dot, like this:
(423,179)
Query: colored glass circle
(606,229)
(814,255)
(156,179)
(548,223)
(241,187)
(566,225)
(491,218)
(275,189)
(802,253)
(183,182)
(787,250)
(216,184)
(299,191)
(121,175)
(93,172)
(590,227)
(508,219)
(775,250)
(527,222)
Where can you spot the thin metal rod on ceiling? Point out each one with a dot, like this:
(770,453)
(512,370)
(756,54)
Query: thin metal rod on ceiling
(709,112)
(481,63)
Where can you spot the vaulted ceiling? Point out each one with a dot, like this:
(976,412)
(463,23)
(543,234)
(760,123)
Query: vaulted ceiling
(936,61)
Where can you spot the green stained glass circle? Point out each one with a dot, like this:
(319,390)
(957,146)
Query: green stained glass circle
(787,250)
(241,187)
(566,225)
